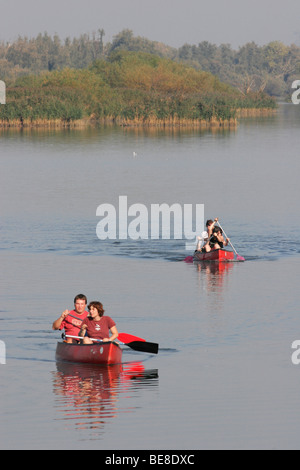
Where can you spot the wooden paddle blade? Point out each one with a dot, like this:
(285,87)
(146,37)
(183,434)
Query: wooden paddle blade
(127,338)
(144,346)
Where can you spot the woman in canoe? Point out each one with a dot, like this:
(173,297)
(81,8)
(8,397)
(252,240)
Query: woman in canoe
(98,326)
(216,241)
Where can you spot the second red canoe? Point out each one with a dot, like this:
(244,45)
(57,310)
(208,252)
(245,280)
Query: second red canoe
(214,255)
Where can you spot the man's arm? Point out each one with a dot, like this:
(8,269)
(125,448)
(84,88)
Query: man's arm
(57,323)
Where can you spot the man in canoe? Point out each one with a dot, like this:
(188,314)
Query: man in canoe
(97,326)
(71,320)
(210,225)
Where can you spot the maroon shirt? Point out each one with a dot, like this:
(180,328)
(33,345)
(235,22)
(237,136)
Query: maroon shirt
(98,329)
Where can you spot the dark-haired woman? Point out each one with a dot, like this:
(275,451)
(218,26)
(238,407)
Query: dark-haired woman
(97,325)
(216,241)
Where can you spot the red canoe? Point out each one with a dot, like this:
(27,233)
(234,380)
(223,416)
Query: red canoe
(214,255)
(103,353)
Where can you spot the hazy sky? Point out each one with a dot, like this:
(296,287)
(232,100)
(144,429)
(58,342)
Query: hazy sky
(174,22)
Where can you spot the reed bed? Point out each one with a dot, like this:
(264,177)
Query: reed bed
(132,89)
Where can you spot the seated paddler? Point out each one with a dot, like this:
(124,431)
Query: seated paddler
(216,241)
(71,320)
(97,325)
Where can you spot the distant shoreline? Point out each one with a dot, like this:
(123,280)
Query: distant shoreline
(173,122)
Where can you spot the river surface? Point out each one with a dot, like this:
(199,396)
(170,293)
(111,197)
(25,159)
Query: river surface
(223,377)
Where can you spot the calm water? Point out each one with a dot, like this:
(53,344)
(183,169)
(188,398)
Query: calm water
(223,377)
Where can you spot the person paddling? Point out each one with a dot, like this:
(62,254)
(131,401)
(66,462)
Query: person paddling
(97,326)
(217,241)
(210,225)
(71,320)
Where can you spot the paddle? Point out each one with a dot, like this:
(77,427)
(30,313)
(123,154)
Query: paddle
(238,257)
(138,344)
(142,345)
(127,338)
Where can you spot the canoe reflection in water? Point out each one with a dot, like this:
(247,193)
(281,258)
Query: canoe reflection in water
(213,279)
(214,273)
(89,395)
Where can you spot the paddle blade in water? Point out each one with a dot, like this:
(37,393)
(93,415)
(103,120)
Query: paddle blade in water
(189,259)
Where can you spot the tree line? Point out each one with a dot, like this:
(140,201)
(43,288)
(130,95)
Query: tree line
(129,88)
(270,68)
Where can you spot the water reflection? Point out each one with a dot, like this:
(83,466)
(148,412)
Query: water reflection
(93,131)
(212,278)
(173,131)
(87,396)
(215,272)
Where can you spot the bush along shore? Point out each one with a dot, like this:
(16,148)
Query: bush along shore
(128,89)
